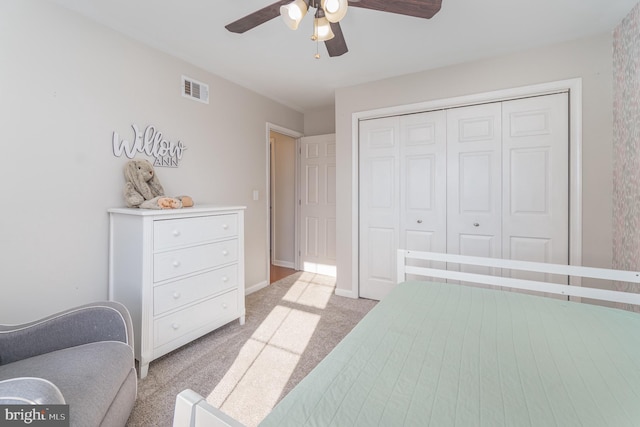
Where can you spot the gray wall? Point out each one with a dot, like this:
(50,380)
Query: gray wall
(66,84)
(588,58)
(321,121)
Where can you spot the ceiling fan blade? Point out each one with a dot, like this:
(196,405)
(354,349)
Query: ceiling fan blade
(337,45)
(418,8)
(256,18)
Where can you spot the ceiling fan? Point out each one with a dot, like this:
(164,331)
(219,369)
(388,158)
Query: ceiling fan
(328,15)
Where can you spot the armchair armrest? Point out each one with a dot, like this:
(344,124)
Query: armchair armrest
(101,321)
(29,391)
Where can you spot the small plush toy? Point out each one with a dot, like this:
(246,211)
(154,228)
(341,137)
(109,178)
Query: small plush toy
(142,188)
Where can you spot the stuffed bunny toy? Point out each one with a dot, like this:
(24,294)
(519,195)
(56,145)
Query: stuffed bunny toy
(142,188)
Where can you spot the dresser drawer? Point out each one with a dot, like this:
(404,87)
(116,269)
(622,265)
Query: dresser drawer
(168,265)
(182,322)
(176,294)
(173,233)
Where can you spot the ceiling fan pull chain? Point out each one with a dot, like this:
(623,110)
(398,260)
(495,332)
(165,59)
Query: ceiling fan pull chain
(315,39)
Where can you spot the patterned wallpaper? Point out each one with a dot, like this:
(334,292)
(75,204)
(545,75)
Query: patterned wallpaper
(626,145)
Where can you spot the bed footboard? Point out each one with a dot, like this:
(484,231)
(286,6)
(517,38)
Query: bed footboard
(526,266)
(192,410)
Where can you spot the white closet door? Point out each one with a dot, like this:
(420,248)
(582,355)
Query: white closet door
(535,178)
(379,205)
(474,191)
(423,191)
(318,204)
(485,180)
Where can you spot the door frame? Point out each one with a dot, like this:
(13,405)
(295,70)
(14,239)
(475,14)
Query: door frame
(271,127)
(574,89)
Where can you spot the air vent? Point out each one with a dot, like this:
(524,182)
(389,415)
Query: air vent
(194,89)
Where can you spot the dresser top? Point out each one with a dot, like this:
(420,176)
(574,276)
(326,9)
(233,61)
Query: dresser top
(159,212)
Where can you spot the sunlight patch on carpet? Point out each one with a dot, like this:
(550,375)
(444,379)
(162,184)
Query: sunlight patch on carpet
(310,293)
(252,386)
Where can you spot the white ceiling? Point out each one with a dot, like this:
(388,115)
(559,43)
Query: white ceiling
(279,63)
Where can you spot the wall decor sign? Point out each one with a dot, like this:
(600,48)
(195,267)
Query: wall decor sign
(151,143)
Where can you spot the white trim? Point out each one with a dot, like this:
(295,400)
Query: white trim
(293,134)
(346,293)
(256,287)
(572,86)
(285,264)
(271,193)
(555,288)
(296,210)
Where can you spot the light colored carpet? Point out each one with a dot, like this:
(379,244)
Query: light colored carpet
(245,370)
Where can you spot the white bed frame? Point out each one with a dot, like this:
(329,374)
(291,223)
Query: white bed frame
(192,410)
(564,270)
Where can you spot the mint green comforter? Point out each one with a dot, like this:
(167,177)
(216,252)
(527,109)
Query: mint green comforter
(441,355)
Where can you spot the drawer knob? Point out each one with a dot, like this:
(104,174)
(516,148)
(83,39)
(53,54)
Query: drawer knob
(176,263)
(225,279)
(176,295)
(225,226)
(176,233)
(225,252)
(175,326)
(225,305)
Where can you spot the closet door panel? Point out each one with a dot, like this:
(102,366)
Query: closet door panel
(379,205)
(381,260)
(423,167)
(536,182)
(476,189)
(535,175)
(529,185)
(423,198)
(474,194)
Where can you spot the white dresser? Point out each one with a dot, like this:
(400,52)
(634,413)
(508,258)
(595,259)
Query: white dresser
(180,272)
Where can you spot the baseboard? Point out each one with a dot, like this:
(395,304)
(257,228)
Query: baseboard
(285,264)
(255,287)
(346,293)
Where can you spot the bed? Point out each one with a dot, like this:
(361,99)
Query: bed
(437,353)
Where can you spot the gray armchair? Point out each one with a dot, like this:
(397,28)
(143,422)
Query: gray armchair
(82,357)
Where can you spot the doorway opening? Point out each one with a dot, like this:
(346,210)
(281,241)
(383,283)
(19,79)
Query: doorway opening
(282,202)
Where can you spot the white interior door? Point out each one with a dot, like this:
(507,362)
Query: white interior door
(535,147)
(423,192)
(379,205)
(318,204)
(404,204)
(485,180)
(474,190)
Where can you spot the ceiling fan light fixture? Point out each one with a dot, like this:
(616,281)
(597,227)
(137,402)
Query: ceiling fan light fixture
(322,30)
(293,13)
(334,10)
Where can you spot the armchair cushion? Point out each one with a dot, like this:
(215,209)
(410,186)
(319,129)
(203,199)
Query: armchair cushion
(85,353)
